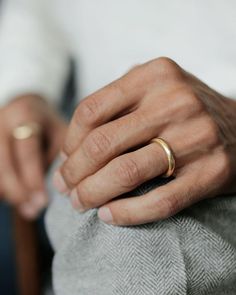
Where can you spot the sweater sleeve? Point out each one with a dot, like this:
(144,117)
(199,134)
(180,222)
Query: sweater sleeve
(33,55)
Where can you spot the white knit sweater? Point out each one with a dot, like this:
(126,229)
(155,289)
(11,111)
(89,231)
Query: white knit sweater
(108,37)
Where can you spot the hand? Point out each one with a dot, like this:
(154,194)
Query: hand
(23,162)
(109,152)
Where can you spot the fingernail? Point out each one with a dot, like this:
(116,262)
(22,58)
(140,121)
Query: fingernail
(105,215)
(39,199)
(59,183)
(76,202)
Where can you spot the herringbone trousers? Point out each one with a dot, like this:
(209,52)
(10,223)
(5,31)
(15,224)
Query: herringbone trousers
(193,252)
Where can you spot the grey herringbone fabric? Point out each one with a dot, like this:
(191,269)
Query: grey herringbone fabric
(191,253)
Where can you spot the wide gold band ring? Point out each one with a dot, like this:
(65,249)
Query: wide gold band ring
(26,130)
(169,153)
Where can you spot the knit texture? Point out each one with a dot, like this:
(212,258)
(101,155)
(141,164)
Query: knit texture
(191,253)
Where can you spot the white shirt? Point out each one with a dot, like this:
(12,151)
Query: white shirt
(107,37)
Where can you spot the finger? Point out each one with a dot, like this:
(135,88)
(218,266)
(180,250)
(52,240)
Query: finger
(160,203)
(31,168)
(105,143)
(119,176)
(190,186)
(156,205)
(121,96)
(115,138)
(32,208)
(11,186)
(97,109)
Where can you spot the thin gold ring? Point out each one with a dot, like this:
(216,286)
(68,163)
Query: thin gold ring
(170,156)
(26,130)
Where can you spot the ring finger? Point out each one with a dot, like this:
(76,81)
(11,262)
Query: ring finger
(128,171)
(120,176)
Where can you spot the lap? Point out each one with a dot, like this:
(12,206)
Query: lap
(191,253)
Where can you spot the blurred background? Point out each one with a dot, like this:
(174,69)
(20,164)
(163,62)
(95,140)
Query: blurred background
(25,252)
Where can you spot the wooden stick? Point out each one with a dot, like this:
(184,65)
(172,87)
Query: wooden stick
(26,252)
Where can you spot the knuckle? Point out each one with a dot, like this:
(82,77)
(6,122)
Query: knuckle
(186,102)
(166,67)
(137,118)
(129,173)
(67,171)
(171,205)
(165,62)
(68,147)
(129,218)
(191,100)
(70,143)
(118,87)
(124,217)
(85,196)
(87,113)
(96,144)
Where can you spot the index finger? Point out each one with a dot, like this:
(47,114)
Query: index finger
(101,107)
(31,168)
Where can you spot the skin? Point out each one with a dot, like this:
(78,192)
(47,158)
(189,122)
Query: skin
(107,151)
(24,162)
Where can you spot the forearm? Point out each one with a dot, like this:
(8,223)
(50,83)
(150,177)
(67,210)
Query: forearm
(33,57)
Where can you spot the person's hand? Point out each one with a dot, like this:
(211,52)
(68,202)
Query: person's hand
(23,162)
(108,150)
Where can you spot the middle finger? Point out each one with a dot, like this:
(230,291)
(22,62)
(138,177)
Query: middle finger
(121,175)
(129,170)
(104,144)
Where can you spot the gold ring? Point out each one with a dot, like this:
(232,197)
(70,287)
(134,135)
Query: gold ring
(26,130)
(169,154)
